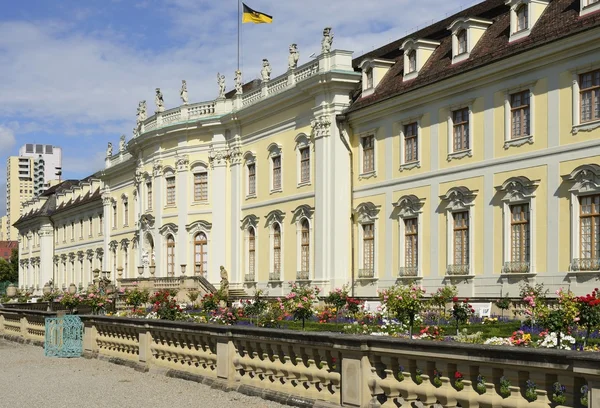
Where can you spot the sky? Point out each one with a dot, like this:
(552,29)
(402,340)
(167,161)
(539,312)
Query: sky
(72,72)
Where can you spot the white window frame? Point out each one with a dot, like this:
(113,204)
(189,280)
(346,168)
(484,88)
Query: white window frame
(125,203)
(419,46)
(515,191)
(148,202)
(452,155)
(197,168)
(373,173)
(275,150)
(409,206)
(531,17)
(250,158)
(508,141)
(304,212)
(303,142)
(459,199)
(276,217)
(588,8)
(585,181)
(250,221)
(415,164)
(576,102)
(367,213)
(168,173)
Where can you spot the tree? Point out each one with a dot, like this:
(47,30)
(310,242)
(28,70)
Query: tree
(9,270)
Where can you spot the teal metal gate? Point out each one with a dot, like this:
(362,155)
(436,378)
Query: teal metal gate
(64,337)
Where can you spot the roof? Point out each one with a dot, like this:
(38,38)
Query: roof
(559,20)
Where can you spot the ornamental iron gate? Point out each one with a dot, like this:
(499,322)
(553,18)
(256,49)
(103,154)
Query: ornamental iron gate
(64,337)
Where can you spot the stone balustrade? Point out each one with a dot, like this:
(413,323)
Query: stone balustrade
(24,325)
(328,369)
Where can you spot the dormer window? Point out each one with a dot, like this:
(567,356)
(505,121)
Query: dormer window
(523,16)
(416,54)
(373,71)
(462,41)
(466,32)
(589,6)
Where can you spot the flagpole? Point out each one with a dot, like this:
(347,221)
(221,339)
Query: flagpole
(239,17)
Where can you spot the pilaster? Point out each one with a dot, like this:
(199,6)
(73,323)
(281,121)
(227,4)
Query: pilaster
(218,156)
(183,165)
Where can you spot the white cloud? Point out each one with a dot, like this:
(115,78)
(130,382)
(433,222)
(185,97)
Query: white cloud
(7,139)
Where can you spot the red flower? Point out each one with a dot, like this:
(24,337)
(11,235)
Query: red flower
(458,375)
(455,299)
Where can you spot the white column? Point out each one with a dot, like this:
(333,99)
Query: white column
(159,202)
(183,243)
(106,225)
(46,268)
(218,239)
(236,273)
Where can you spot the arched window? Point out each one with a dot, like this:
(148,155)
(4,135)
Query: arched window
(305,249)
(277,251)
(170,256)
(462,41)
(251,252)
(200,253)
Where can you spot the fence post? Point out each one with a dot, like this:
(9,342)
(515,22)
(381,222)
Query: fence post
(356,370)
(89,338)
(145,340)
(23,321)
(225,355)
(1,323)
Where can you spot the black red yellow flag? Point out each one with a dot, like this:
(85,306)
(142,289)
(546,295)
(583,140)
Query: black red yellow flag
(256,17)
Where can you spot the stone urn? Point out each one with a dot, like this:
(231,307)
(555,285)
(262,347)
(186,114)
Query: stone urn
(152,270)
(11,290)
(120,272)
(72,289)
(96,273)
(46,290)
(91,288)
(140,271)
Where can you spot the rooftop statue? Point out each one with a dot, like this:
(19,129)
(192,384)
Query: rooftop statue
(327,40)
(294,56)
(221,82)
(265,73)
(183,93)
(109,150)
(122,144)
(158,100)
(238,82)
(141,113)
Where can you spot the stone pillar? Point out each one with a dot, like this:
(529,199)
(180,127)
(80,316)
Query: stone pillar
(158,195)
(225,355)
(356,371)
(218,237)
(183,187)
(235,174)
(106,225)
(46,253)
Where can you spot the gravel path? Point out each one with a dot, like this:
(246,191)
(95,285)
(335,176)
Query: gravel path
(29,379)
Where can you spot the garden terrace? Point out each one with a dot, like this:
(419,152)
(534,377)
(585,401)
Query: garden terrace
(309,368)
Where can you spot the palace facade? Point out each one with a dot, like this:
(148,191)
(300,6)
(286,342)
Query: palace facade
(467,153)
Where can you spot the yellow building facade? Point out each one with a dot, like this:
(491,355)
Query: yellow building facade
(466,153)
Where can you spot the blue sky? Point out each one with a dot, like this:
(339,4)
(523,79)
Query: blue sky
(73,71)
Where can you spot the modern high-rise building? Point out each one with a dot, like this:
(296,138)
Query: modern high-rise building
(3,228)
(27,176)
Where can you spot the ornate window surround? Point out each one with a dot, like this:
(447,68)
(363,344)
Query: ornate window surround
(361,174)
(576,98)
(250,158)
(402,124)
(124,203)
(519,190)
(303,141)
(200,167)
(275,150)
(300,213)
(459,199)
(452,155)
(533,13)
(378,68)
(368,213)
(250,221)
(276,217)
(420,46)
(585,180)
(410,206)
(469,25)
(508,140)
(169,172)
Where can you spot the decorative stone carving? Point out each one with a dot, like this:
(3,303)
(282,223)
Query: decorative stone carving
(302,211)
(80,256)
(217,157)
(159,101)
(145,258)
(182,163)
(122,144)
(113,245)
(124,244)
(327,40)
(459,198)
(99,253)
(238,82)
(157,168)
(250,220)
(293,57)
(518,189)
(265,73)
(585,179)
(224,282)
(141,113)
(275,216)
(221,83)
(109,150)
(367,212)
(409,205)
(321,127)
(169,228)
(184,93)
(198,226)
(147,221)
(135,132)
(138,176)
(235,155)
(89,254)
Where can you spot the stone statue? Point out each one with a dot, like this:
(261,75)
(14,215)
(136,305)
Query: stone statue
(238,82)
(153,256)
(221,82)
(224,282)
(135,132)
(109,150)
(294,56)
(145,260)
(158,100)
(141,113)
(327,40)
(265,73)
(183,93)
(122,144)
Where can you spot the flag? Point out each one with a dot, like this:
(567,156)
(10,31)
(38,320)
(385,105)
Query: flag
(256,17)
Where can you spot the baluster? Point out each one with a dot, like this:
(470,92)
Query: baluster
(389,384)
(425,389)
(467,398)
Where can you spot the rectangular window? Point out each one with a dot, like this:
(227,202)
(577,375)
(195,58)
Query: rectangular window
(251,252)
(519,114)
(522,18)
(201,186)
(369,247)
(171,190)
(589,91)
(80,229)
(411,236)
(114,220)
(412,61)
(589,226)
(368,146)
(252,179)
(410,143)
(101,222)
(369,75)
(72,231)
(125,213)
(305,249)
(305,165)
(90,226)
(519,232)
(461,238)
(64,235)
(277,173)
(149,196)
(277,251)
(460,120)
(462,41)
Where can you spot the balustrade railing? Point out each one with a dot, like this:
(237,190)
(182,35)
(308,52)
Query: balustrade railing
(585,264)
(249,277)
(366,273)
(275,276)
(303,275)
(457,269)
(309,366)
(408,271)
(515,267)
